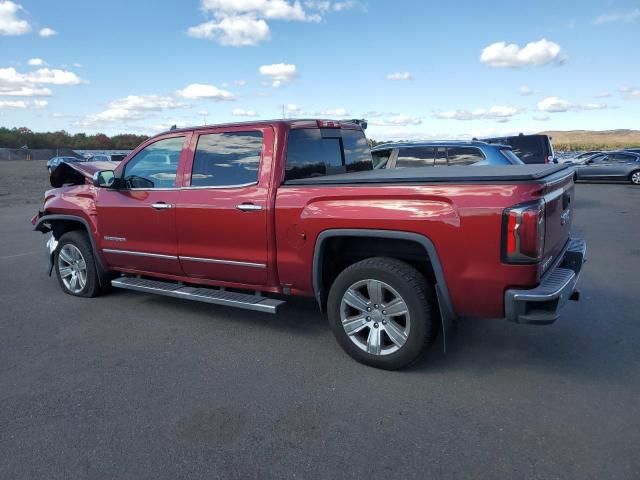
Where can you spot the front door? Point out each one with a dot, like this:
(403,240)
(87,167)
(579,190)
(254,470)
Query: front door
(223,210)
(138,222)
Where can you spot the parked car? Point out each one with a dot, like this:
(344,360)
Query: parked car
(294,207)
(529,148)
(585,155)
(52,163)
(610,166)
(442,153)
(107,157)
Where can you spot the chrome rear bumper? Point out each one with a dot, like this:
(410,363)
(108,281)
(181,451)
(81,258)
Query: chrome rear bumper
(541,305)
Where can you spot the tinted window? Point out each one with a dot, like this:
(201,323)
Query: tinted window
(621,157)
(528,149)
(227,159)
(599,159)
(155,166)
(460,156)
(313,152)
(441,157)
(509,155)
(357,155)
(415,157)
(381,158)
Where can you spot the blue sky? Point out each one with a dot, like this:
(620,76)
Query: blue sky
(414,69)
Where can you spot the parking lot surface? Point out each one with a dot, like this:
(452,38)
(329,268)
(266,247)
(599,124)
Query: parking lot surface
(130,385)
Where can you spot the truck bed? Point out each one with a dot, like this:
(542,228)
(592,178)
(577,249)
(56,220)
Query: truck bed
(489,173)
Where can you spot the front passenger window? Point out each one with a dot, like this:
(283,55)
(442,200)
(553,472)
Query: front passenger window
(155,166)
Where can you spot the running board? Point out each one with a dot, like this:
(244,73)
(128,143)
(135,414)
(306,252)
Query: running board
(199,294)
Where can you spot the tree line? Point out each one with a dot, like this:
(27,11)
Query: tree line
(20,137)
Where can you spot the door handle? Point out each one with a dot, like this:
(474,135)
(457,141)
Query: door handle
(248,207)
(161,206)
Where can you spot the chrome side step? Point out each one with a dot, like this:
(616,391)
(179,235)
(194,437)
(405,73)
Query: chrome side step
(199,294)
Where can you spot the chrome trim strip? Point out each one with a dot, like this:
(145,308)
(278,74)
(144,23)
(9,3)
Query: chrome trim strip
(139,254)
(223,262)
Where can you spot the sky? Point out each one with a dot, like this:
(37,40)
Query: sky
(413,69)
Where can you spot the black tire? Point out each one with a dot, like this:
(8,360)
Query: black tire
(79,240)
(631,176)
(413,289)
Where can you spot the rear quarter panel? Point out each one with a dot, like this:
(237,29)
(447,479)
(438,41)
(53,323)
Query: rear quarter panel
(462,221)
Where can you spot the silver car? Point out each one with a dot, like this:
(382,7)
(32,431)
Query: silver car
(610,166)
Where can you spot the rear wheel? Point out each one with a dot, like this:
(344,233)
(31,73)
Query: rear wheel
(382,312)
(75,266)
(635,177)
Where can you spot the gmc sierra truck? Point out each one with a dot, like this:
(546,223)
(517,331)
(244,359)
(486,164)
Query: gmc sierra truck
(245,214)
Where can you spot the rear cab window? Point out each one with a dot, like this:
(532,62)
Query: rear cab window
(314,152)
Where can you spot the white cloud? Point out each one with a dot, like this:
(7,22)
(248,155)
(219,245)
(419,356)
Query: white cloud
(241,112)
(211,92)
(23,104)
(499,113)
(336,112)
(291,109)
(10,21)
(145,102)
(630,92)
(558,105)
(542,52)
(47,32)
(132,107)
(35,62)
(245,22)
(399,76)
(14,83)
(527,91)
(203,113)
(240,83)
(163,127)
(541,118)
(279,73)
(399,120)
(603,95)
(618,17)
(236,31)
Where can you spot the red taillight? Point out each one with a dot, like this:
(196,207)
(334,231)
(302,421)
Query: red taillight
(523,233)
(328,124)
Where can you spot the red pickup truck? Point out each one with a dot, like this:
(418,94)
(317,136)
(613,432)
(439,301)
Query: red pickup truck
(245,214)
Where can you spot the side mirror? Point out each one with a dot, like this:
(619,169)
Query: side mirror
(104,179)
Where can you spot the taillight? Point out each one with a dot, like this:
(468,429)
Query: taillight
(328,124)
(523,233)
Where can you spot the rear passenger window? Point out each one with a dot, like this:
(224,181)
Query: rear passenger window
(227,159)
(623,158)
(461,156)
(415,157)
(357,155)
(381,158)
(313,152)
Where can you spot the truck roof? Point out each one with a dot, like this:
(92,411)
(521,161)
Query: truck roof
(289,122)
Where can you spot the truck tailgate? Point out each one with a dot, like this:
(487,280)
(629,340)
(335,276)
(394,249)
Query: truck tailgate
(558,197)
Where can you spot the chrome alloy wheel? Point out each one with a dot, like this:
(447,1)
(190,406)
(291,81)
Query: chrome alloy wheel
(375,317)
(72,268)
(635,178)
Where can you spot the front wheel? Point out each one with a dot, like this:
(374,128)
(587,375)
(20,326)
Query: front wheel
(382,312)
(75,266)
(635,177)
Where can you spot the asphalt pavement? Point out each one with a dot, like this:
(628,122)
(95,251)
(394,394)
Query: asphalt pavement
(130,385)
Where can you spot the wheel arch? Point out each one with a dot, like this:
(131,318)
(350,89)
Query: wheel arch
(447,311)
(59,224)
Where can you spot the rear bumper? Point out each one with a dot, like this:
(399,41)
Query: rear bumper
(541,305)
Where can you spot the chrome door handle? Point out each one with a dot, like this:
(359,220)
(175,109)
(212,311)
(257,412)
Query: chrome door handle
(161,206)
(248,207)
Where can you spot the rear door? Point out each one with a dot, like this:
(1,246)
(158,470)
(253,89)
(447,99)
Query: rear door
(223,209)
(620,165)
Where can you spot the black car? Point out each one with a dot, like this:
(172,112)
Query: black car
(529,148)
(52,163)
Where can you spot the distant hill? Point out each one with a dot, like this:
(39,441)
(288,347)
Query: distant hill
(594,140)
